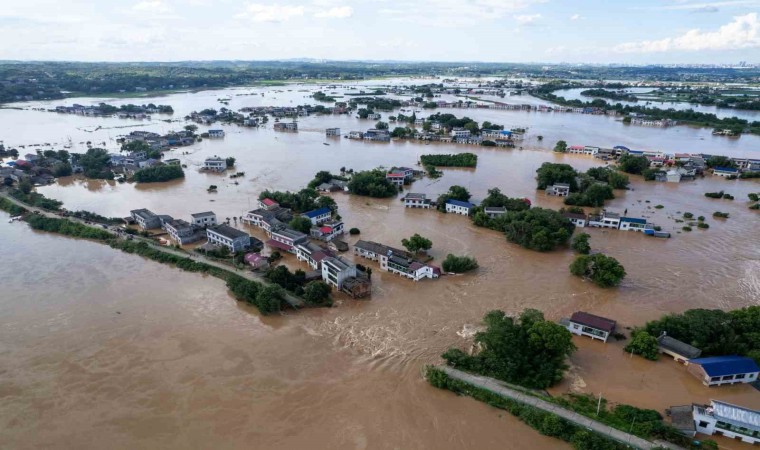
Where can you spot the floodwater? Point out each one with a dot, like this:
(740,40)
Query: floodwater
(102,348)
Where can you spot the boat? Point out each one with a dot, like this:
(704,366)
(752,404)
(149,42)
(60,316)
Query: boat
(661,234)
(13,219)
(325,143)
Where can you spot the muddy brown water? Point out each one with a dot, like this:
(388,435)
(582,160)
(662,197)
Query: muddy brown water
(100,348)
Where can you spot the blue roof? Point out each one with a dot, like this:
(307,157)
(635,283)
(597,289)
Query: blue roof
(633,220)
(636,152)
(459,203)
(726,169)
(718,366)
(317,212)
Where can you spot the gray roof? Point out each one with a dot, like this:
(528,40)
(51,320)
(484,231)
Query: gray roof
(228,232)
(203,214)
(736,415)
(290,233)
(415,196)
(682,417)
(338,262)
(495,209)
(144,213)
(381,249)
(676,346)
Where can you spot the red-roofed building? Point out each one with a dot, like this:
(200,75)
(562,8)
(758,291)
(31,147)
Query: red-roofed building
(328,230)
(257,261)
(268,204)
(585,324)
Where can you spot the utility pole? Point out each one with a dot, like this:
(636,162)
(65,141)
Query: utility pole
(599,404)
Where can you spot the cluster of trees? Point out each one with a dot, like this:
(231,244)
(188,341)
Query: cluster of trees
(612,95)
(66,227)
(322,97)
(315,293)
(268,299)
(24,193)
(304,200)
(530,350)
(450,121)
(644,344)
(324,176)
(580,244)
(402,132)
(455,160)
(454,193)
(374,104)
(141,146)
(372,183)
(536,228)
(591,188)
(552,173)
(459,264)
(714,331)
(604,271)
(96,163)
(158,174)
(496,199)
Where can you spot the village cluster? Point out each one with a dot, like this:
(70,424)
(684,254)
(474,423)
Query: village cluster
(717,418)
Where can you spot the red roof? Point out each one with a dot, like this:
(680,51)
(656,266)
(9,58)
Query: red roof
(396,175)
(325,229)
(600,323)
(280,245)
(269,202)
(254,258)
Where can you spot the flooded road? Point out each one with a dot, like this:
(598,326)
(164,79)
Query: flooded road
(100,348)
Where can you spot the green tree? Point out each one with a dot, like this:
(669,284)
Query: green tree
(530,350)
(633,164)
(96,164)
(459,264)
(317,293)
(380,125)
(560,147)
(158,174)
(552,173)
(230,162)
(580,244)
(644,344)
(417,243)
(25,186)
(372,183)
(300,223)
(191,128)
(720,161)
(604,271)
(536,228)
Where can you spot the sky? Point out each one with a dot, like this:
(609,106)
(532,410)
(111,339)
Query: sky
(551,31)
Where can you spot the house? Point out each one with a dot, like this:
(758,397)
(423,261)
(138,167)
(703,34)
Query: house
(397,178)
(673,176)
(459,207)
(333,185)
(680,351)
(731,421)
(183,232)
(332,132)
(355,135)
(204,219)
(336,270)
(460,133)
(395,261)
(579,220)
(377,135)
(318,216)
(286,126)
(216,133)
(268,204)
(357,287)
(585,324)
(215,164)
(312,254)
(719,370)
(148,163)
(256,261)
(172,162)
(146,219)
(604,220)
(226,236)
(494,211)
(413,200)
(725,172)
(327,231)
(374,116)
(558,189)
(286,239)
(635,224)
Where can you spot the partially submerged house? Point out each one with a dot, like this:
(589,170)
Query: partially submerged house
(146,219)
(731,421)
(416,200)
(558,190)
(720,370)
(680,351)
(226,236)
(585,324)
(395,260)
(204,219)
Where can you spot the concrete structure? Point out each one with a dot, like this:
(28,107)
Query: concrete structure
(720,370)
(396,178)
(459,207)
(579,220)
(460,133)
(183,232)
(332,132)
(286,126)
(312,254)
(204,219)
(585,324)
(558,189)
(725,172)
(606,219)
(215,164)
(256,261)
(226,236)
(414,200)
(682,419)
(335,271)
(146,219)
(635,224)
(328,230)
(287,239)
(494,211)
(680,351)
(731,421)
(216,133)
(396,261)
(318,216)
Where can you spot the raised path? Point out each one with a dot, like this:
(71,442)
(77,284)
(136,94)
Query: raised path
(496,387)
(292,300)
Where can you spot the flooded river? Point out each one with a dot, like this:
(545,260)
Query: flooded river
(100,348)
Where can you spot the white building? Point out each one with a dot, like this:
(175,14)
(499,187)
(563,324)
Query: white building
(731,421)
(459,207)
(204,219)
(216,133)
(585,324)
(494,211)
(720,370)
(579,220)
(460,133)
(215,164)
(605,220)
(335,270)
(226,236)
(413,200)
(635,224)
(558,189)
(332,132)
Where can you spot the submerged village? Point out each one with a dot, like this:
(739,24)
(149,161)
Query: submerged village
(288,249)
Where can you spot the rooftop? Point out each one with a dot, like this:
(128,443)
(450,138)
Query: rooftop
(682,417)
(725,169)
(598,322)
(718,366)
(317,212)
(415,196)
(736,415)
(633,220)
(203,214)
(290,233)
(676,346)
(459,203)
(228,232)
(337,262)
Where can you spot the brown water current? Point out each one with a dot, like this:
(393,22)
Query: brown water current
(103,349)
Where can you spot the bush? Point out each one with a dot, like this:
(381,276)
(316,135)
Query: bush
(714,194)
(317,293)
(580,244)
(536,228)
(354,231)
(703,225)
(721,215)
(728,196)
(658,207)
(459,264)
(372,183)
(604,271)
(158,174)
(300,223)
(686,228)
(417,243)
(688,215)
(455,160)
(644,344)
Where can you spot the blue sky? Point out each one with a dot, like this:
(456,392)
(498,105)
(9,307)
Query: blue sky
(610,31)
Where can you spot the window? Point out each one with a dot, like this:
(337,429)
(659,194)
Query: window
(739,376)
(703,424)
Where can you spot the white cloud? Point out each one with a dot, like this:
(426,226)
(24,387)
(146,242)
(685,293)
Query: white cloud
(151,6)
(338,12)
(527,19)
(743,32)
(455,13)
(575,17)
(704,6)
(270,13)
